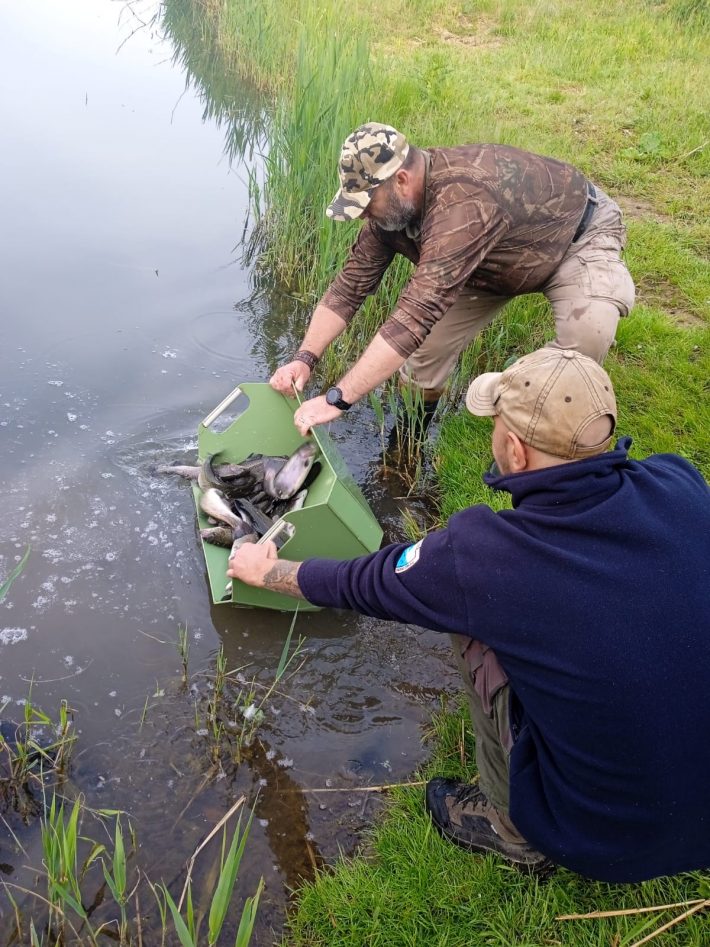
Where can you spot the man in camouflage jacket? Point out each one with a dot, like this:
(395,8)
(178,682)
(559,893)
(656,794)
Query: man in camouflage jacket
(482,224)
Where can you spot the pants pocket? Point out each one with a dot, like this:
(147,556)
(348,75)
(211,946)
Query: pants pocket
(606,277)
(486,674)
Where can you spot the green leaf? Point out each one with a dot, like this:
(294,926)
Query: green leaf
(119,863)
(650,143)
(227,878)
(283,660)
(110,882)
(5,587)
(66,896)
(191,914)
(96,850)
(180,926)
(246,922)
(70,839)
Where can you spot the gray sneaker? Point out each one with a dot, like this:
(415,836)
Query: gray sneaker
(463,814)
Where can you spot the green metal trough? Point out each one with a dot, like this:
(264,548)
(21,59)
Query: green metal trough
(335,522)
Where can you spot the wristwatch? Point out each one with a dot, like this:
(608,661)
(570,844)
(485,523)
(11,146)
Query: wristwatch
(334,396)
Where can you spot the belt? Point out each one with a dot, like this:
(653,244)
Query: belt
(588,211)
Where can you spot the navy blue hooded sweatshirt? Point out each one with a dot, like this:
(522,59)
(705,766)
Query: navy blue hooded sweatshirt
(594,593)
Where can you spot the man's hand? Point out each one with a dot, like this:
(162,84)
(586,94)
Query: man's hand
(251,562)
(258,564)
(314,411)
(293,373)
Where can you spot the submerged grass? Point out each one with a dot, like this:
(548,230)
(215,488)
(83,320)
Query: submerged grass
(80,909)
(93,891)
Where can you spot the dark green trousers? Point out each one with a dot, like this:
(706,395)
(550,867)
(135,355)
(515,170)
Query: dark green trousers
(488,691)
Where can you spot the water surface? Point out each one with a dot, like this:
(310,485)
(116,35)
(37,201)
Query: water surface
(127,315)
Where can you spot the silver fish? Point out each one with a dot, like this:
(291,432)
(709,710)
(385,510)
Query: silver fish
(191,473)
(272,465)
(291,477)
(223,471)
(213,503)
(241,540)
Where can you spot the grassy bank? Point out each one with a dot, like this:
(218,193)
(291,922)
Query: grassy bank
(414,889)
(622,92)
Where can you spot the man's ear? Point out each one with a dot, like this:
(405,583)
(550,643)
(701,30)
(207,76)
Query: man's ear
(403,180)
(516,452)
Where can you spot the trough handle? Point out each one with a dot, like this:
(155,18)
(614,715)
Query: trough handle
(275,529)
(215,413)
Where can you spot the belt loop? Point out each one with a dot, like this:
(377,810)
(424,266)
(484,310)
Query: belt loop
(592,193)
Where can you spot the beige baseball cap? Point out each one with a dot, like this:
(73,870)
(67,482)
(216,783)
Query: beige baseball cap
(369,156)
(549,398)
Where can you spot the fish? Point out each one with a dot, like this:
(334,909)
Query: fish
(208,476)
(245,500)
(223,471)
(297,502)
(246,538)
(214,503)
(191,473)
(262,523)
(289,479)
(217,535)
(229,537)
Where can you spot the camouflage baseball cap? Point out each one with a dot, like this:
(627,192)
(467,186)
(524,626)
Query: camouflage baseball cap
(369,157)
(550,399)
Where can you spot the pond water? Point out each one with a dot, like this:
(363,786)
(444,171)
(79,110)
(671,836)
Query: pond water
(127,316)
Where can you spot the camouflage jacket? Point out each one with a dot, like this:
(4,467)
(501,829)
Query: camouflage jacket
(495,218)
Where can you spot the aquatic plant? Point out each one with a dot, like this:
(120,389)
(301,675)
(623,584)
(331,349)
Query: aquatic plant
(238,704)
(65,916)
(183,647)
(34,755)
(188,927)
(5,586)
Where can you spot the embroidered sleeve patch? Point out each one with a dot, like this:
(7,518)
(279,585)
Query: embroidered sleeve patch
(409,557)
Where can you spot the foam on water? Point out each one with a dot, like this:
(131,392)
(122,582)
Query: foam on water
(12,635)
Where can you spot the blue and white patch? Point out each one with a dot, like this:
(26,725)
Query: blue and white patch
(409,557)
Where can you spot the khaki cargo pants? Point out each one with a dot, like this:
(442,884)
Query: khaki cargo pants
(589,291)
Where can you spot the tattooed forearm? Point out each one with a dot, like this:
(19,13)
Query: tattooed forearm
(282,577)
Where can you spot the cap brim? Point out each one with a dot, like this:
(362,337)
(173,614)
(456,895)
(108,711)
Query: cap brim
(348,205)
(482,394)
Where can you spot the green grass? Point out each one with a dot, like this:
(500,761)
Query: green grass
(623,92)
(416,889)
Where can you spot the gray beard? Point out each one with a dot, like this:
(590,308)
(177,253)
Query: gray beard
(400,218)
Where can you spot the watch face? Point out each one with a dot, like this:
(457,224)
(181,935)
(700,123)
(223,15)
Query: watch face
(333,396)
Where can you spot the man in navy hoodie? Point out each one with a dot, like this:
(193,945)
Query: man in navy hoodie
(580,621)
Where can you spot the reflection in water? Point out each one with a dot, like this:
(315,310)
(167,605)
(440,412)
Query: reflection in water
(232,104)
(281,806)
(276,320)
